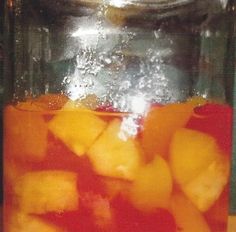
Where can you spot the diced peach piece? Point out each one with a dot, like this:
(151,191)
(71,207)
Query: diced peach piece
(187,216)
(21,222)
(78,128)
(114,156)
(191,152)
(25,133)
(47,191)
(198,167)
(206,188)
(152,186)
(159,126)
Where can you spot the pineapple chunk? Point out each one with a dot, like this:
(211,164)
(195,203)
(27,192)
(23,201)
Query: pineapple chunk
(77,127)
(187,216)
(190,153)
(198,167)
(21,222)
(113,156)
(47,191)
(152,186)
(159,126)
(206,188)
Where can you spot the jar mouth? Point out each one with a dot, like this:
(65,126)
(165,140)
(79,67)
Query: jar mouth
(149,4)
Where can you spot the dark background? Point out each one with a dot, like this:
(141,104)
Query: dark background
(1,90)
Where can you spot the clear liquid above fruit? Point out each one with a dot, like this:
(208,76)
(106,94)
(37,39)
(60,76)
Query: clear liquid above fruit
(73,167)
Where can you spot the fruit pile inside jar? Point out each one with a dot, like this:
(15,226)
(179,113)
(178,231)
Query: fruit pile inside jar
(73,167)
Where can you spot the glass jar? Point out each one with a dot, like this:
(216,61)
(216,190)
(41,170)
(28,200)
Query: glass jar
(117,116)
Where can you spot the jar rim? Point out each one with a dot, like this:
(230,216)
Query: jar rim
(154,4)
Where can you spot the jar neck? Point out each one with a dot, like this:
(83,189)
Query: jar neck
(185,11)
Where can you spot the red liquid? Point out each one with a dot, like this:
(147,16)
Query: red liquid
(77,170)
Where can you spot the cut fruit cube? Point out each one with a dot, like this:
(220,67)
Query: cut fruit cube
(47,191)
(199,167)
(25,133)
(21,222)
(113,156)
(159,126)
(152,186)
(191,152)
(206,188)
(187,216)
(77,127)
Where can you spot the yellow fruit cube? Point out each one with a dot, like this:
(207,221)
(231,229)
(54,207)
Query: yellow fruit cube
(187,216)
(190,153)
(159,126)
(77,127)
(114,156)
(206,188)
(152,186)
(199,167)
(47,191)
(20,222)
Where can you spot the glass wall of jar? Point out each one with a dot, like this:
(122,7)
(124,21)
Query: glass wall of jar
(118,115)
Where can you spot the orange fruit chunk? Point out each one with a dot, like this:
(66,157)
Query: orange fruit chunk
(159,126)
(152,186)
(25,133)
(198,166)
(206,188)
(20,222)
(113,156)
(187,216)
(47,191)
(77,127)
(191,152)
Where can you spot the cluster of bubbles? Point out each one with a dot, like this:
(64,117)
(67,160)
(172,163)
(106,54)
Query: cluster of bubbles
(121,64)
(95,53)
